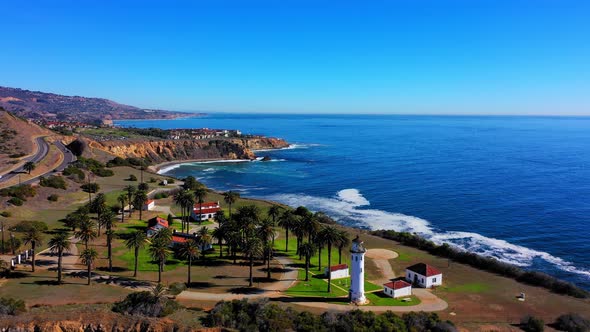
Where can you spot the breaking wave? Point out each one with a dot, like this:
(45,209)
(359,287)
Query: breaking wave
(346,208)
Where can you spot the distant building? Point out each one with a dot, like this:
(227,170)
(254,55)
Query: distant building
(205,211)
(397,288)
(149,205)
(337,271)
(423,275)
(155,225)
(179,238)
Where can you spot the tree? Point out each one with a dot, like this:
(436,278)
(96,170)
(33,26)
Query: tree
(310,226)
(29,166)
(186,200)
(59,244)
(204,237)
(143,187)
(190,183)
(230,198)
(343,241)
(88,257)
(219,233)
(266,233)
(86,232)
(330,236)
(252,248)
(307,250)
(122,199)
(130,189)
(287,220)
(139,201)
(34,237)
(136,241)
(99,206)
(200,194)
(107,220)
(274,212)
(189,250)
(159,252)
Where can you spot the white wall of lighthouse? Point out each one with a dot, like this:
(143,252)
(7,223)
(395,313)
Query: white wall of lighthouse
(357,275)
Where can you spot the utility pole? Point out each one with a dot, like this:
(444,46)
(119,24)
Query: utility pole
(2,230)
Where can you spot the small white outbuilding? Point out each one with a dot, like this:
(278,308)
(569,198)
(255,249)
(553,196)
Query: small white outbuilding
(337,271)
(423,275)
(397,288)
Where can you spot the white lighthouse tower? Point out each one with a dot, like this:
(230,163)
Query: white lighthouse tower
(357,275)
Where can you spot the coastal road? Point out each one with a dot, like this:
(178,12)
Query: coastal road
(42,150)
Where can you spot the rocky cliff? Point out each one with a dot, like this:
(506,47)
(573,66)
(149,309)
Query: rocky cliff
(174,150)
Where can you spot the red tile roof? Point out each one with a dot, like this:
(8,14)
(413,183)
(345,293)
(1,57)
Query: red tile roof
(178,239)
(424,269)
(158,221)
(398,284)
(149,201)
(338,267)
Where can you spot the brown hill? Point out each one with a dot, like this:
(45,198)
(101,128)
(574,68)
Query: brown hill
(50,106)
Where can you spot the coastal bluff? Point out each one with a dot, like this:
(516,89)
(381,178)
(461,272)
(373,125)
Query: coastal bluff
(177,150)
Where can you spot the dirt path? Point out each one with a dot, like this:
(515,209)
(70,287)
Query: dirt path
(381,258)
(47,260)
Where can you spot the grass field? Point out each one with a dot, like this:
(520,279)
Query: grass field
(315,287)
(380,299)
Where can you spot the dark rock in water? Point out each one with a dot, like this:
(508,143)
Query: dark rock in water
(266,158)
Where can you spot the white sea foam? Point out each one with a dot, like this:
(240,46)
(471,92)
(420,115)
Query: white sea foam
(346,207)
(290,147)
(210,169)
(168,168)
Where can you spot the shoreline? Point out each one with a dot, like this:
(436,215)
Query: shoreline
(159,167)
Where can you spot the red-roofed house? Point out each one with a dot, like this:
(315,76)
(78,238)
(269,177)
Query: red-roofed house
(397,288)
(337,271)
(149,204)
(155,225)
(206,210)
(423,275)
(180,238)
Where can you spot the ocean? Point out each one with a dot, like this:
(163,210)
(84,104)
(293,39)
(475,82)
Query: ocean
(515,188)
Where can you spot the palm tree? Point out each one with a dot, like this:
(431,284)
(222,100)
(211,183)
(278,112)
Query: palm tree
(329,236)
(252,248)
(219,233)
(287,220)
(204,237)
(29,166)
(310,226)
(137,241)
(343,241)
(299,230)
(58,244)
(233,242)
(122,198)
(186,200)
(159,251)
(139,201)
(200,194)
(274,212)
(34,237)
(86,232)
(130,189)
(230,198)
(99,206)
(307,249)
(189,250)
(266,233)
(88,257)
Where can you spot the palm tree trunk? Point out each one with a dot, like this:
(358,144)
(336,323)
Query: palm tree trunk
(122,212)
(320,258)
(190,261)
(286,239)
(251,267)
(306,267)
(268,264)
(200,213)
(136,259)
(160,272)
(339,255)
(329,264)
(220,248)
(89,273)
(110,250)
(59,253)
(33,245)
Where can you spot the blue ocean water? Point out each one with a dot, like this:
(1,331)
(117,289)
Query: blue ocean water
(515,188)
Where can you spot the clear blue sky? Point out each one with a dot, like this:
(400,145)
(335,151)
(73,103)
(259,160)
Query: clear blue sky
(414,56)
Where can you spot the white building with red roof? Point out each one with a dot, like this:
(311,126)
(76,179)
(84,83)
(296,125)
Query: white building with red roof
(155,225)
(423,275)
(397,288)
(149,205)
(205,211)
(337,271)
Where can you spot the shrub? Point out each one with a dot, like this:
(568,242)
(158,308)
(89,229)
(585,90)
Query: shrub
(153,180)
(16,201)
(170,181)
(532,324)
(143,187)
(74,173)
(53,181)
(132,178)
(572,323)
(176,288)
(17,155)
(103,172)
(22,191)
(146,304)
(26,225)
(90,187)
(10,306)
(53,198)
(6,214)
(161,195)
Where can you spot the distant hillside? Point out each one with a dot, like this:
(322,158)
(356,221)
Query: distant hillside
(50,106)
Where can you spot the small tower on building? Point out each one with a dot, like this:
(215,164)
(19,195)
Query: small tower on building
(357,275)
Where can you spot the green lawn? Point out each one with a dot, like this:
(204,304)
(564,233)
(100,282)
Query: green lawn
(475,287)
(380,299)
(315,287)
(292,253)
(145,262)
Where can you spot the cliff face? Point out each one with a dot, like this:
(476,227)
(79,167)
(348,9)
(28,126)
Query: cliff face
(173,150)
